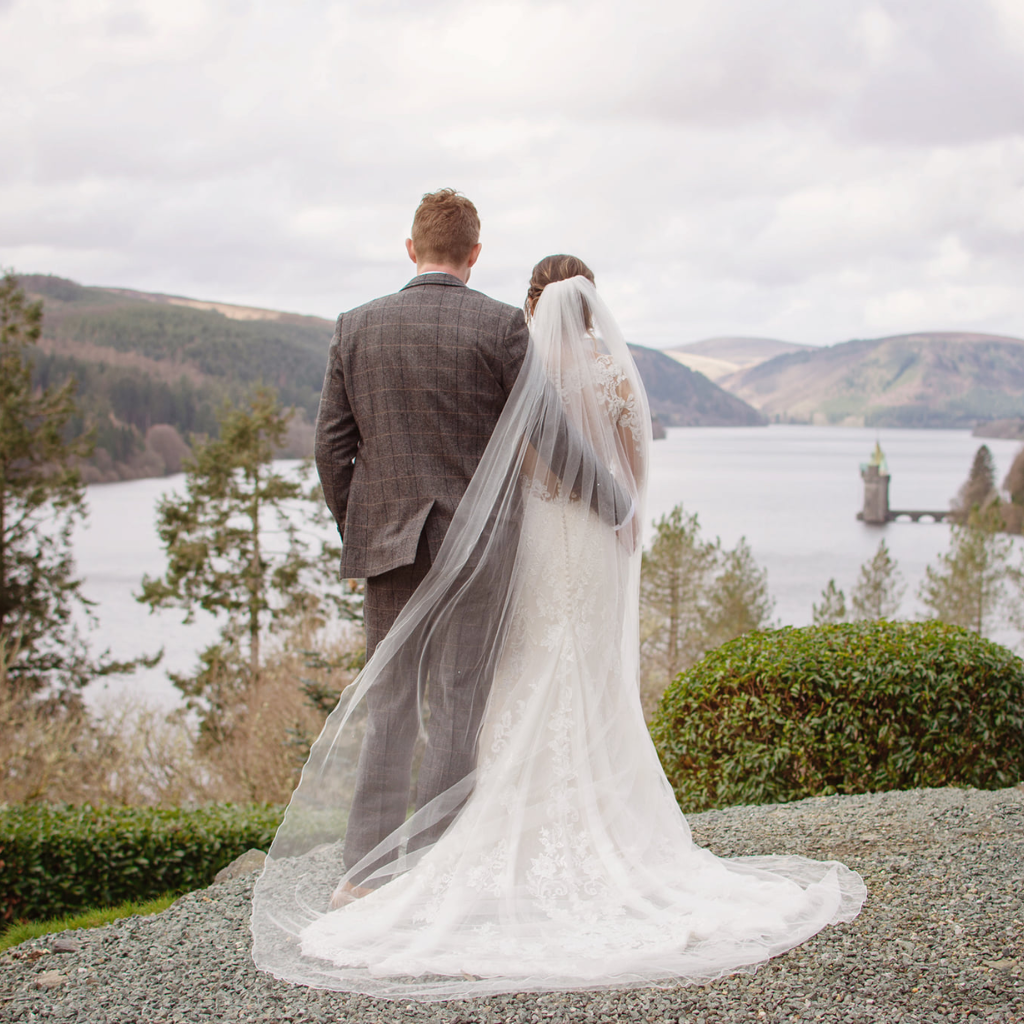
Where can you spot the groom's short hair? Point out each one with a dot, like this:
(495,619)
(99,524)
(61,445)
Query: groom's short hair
(445,228)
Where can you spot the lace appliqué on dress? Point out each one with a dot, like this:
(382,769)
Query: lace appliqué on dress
(622,411)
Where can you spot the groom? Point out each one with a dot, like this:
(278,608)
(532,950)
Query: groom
(414,387)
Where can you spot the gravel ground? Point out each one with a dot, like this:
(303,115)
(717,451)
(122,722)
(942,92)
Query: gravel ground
(940,939)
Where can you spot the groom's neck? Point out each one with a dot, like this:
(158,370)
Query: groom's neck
(462,273)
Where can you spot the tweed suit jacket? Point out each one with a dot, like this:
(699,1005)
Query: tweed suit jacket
(414,387)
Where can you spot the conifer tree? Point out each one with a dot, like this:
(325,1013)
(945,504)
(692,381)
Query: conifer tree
(1014,482)
(236,549)
(1013,510)
(41,498)
(832,607)
(969,585)
(674,579)
(693,597)
(879,588)
(979,489)
(738,602)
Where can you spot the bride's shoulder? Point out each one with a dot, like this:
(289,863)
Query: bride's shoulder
(606,361)
(608,367)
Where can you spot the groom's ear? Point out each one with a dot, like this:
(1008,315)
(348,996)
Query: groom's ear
(411,250)
(474,254)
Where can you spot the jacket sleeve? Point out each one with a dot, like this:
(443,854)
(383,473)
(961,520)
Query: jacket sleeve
(337,436)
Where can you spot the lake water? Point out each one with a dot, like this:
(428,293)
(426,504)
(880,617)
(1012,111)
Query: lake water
(792,491)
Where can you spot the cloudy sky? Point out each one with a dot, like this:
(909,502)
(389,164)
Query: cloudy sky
(798,169)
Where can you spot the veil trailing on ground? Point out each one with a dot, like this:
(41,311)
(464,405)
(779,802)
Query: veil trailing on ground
(557,857)
(576,421)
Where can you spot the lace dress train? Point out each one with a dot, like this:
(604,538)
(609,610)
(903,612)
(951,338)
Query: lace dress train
(569,865)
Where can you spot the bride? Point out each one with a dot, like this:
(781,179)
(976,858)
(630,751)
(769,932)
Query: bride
(563,860)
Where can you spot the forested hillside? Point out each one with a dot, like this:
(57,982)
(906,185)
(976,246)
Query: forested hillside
(681,397)
(154,369)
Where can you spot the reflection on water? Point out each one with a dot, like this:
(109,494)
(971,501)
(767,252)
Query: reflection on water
(792,491)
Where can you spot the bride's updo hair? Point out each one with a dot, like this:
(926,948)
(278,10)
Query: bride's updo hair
(557,268)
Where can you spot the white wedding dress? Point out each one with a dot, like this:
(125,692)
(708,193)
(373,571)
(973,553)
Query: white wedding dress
(570,864)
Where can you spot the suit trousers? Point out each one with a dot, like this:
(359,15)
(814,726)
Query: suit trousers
(456,697)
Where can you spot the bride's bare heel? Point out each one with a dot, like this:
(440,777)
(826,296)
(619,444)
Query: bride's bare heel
(347,893)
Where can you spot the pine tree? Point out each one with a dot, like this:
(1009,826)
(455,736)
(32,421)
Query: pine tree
(1013,510)
(693,597)
(880,587)
(235,549)
(1014,482)
(674,582)
(968,587)
(832,607)
(738,602)
(979,489)
(41,498)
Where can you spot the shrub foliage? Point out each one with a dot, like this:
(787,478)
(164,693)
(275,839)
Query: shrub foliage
(844,708)
(56,859)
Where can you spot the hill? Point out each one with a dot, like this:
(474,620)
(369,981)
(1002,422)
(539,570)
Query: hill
(936,379)
(153,369)
(718,357)
(681,397)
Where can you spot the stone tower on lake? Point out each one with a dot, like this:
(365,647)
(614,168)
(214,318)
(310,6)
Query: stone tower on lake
(875,474)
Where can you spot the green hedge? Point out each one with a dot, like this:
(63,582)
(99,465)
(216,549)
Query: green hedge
(56,860)
(848,708)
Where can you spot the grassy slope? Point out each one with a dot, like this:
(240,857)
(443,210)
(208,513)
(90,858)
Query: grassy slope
(920,380)
(717,358)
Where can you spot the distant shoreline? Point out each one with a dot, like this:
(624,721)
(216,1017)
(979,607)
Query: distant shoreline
(1007,430)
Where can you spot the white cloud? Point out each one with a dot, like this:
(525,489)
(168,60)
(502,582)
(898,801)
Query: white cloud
(772,167)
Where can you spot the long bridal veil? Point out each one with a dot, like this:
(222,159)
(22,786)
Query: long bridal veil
(560,860)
